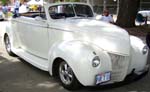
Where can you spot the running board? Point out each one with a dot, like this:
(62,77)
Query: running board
(34,60)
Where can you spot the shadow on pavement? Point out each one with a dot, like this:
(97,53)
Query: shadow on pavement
(21,76)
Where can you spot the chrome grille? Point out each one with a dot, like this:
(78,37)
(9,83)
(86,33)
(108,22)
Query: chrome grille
(119,67)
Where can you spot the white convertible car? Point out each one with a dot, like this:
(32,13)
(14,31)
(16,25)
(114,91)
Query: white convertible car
(65,40)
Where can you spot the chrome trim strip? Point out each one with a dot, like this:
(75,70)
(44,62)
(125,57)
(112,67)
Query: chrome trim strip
(59,29)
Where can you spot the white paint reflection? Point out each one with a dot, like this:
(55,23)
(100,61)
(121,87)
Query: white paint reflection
(104,43)
(68,36)
(88,23)
(136,42)
(47,85)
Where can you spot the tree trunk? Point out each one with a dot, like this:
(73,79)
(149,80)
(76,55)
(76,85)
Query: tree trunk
(127,13)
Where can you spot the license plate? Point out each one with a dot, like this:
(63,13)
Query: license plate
(104,77)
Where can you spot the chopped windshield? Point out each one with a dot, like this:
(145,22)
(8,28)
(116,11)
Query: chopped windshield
(70,10)
(83,10)
(61,11)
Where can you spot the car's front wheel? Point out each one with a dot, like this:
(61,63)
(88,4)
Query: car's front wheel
(67,77)
(8,46)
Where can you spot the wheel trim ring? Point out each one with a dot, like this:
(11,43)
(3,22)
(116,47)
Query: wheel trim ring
(7,44)
(66,76)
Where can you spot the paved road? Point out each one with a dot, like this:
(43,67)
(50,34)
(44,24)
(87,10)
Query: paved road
(18,76)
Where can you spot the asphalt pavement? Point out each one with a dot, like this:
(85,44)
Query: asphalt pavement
(16,75)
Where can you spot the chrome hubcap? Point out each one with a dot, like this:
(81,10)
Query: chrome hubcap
(66,73)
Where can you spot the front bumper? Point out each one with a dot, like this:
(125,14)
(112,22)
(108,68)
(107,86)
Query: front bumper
(133,76)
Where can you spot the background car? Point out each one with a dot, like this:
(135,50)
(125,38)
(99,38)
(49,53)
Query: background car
(145,13)
(1,16)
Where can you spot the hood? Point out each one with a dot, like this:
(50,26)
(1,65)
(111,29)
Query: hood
(104,35)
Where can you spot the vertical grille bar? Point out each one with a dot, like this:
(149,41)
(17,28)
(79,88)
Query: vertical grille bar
(119,67)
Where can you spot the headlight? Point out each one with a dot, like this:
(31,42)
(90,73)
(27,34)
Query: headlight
(145,49)
(96,61)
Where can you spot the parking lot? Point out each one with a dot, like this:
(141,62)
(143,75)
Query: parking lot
(18,76)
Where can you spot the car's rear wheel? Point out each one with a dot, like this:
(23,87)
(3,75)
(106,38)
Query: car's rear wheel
(1,19)
(8,46)
(67,77)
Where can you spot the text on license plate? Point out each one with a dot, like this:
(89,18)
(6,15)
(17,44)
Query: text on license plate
(104,77)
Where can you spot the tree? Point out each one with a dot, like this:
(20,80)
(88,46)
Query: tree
(4,1)
(127,13)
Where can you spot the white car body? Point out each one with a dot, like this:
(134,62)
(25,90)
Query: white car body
(77,41)
(145,13)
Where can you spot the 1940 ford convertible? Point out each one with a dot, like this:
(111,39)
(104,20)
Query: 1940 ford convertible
(65,40)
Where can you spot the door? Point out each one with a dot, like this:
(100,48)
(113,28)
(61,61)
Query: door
(34,36)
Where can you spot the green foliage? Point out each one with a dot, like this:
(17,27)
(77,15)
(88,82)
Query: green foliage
(4,1)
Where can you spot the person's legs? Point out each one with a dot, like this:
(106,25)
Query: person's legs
(16,12)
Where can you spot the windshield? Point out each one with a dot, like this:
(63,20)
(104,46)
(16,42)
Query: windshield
(70,10)
(83,10)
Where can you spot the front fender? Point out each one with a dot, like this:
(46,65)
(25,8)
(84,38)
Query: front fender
(79,56)
(138,60)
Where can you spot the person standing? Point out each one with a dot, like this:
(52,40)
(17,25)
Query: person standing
(23,8)
(106,17)
(5,10)
(16,8)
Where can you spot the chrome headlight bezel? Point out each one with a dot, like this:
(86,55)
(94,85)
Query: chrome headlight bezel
(96,61)
(145,50)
